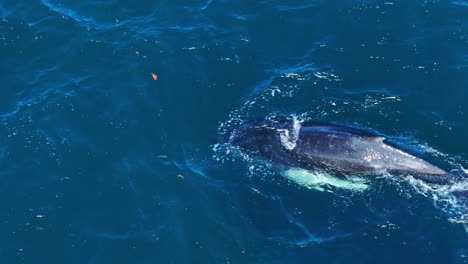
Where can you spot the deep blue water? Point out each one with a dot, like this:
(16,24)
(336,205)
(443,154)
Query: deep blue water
(99,163)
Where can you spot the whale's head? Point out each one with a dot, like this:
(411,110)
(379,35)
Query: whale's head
(262,139)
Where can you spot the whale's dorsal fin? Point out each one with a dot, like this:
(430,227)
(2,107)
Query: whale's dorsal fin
(377,139)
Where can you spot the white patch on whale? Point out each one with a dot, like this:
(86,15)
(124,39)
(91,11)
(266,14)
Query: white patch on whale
(289,137)
(323,181)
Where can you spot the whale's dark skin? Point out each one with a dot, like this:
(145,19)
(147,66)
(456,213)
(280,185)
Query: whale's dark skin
(332,147)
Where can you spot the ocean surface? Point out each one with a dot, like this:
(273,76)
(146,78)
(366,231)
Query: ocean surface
(114,116)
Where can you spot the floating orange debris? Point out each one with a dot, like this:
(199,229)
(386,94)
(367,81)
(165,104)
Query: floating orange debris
(155,77)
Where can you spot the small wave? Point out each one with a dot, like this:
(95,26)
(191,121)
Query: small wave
(206,5)
(460,3)
(79,18)
(297,7)
(308,236)
(66,88)
(445,197)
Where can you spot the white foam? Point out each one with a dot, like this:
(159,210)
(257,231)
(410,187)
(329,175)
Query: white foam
(322,181)
(445,197)
(289,137)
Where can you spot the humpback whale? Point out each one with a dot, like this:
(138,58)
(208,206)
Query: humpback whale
(336,148)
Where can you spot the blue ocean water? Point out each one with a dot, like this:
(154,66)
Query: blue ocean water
(101,163)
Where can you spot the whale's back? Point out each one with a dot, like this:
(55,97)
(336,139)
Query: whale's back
(332,147)
(352,150)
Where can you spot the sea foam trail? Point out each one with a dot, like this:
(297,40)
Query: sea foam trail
(449,198)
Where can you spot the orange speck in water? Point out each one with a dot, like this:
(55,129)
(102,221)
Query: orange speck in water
(155,77)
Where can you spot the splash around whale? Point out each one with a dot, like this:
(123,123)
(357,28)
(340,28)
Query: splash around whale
(330,147)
